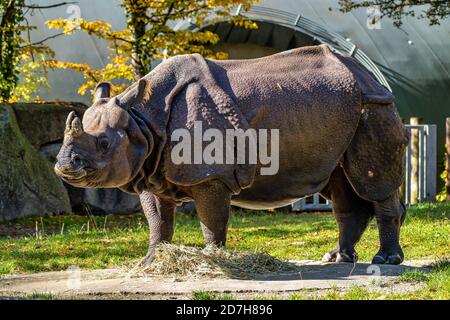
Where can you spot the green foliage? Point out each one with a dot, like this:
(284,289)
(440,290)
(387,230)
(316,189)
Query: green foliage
(11,12)
(442,196)
(433,10)
(149,37)
(23,68)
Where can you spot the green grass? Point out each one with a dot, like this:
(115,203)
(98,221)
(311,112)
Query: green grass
(55,243)
(436,286)
(41,296)
(208,295)
(414,276)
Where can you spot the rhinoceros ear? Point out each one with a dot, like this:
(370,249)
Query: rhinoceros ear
(143,94)
(102,90)
(139,94)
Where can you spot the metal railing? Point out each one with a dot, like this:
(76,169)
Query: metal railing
(426,167)
(426,172)
(316,31)
(304,25)
(312,203)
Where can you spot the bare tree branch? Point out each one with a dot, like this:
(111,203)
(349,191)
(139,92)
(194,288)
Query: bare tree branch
(433,10)
(43,40)
(32,6)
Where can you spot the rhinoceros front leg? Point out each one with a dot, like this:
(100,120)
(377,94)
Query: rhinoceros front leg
(160,217)
(212,200)
(390,215)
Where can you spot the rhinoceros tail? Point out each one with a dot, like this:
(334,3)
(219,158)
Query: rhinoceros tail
(377,98)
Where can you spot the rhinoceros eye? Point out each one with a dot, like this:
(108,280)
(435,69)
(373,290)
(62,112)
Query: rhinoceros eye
(103,144)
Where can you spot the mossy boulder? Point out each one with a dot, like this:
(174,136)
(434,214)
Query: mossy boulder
(28,185)
(30,138)
(44,123)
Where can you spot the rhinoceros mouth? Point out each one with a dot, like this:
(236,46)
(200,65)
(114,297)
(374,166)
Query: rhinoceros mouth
(75,176)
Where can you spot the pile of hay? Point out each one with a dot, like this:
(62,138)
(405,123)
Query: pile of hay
(193,262)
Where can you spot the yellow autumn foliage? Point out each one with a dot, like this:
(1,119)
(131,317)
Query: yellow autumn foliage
(148,37)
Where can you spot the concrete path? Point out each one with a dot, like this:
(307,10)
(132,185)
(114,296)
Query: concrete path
(110,282)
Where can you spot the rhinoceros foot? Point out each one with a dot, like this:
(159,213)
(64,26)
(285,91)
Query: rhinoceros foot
(385,258)
(330,256)
(344,257)
(147,260)
(339,256)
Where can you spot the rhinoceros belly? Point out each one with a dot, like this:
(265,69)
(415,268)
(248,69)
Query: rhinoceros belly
(272,194)
(304,169)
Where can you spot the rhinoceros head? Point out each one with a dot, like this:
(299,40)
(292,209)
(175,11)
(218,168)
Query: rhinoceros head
(108,148)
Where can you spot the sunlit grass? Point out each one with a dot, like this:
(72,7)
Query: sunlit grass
(435,285)
(55,243)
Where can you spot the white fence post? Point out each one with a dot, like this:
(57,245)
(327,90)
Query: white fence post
(431,158)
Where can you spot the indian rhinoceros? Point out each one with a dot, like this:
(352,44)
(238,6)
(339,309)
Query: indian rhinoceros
(339,134)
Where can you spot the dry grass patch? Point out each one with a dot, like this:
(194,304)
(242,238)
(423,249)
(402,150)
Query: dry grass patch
(212,262)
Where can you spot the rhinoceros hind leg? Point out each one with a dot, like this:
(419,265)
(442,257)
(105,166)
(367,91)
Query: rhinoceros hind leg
(352,214)
(374,161)
(213,202)
(390,215)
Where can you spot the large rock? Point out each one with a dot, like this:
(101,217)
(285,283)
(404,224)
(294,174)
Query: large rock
(28,185)
(30,138)
(107,201)
(44,123)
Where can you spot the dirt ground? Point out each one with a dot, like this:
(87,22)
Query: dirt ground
(311,276)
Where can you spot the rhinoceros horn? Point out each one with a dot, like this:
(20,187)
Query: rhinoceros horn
(73,125)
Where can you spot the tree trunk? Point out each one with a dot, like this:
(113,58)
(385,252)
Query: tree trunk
(415,160)
(138,30)
(141,59)
(447,164)
(12,16)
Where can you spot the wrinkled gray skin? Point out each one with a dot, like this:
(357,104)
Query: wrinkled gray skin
(340,135)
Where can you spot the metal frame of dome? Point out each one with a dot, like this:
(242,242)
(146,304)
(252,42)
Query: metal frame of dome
(307,26)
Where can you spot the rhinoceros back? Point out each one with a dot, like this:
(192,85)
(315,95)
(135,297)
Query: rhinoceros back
(315,103)
(371,90)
